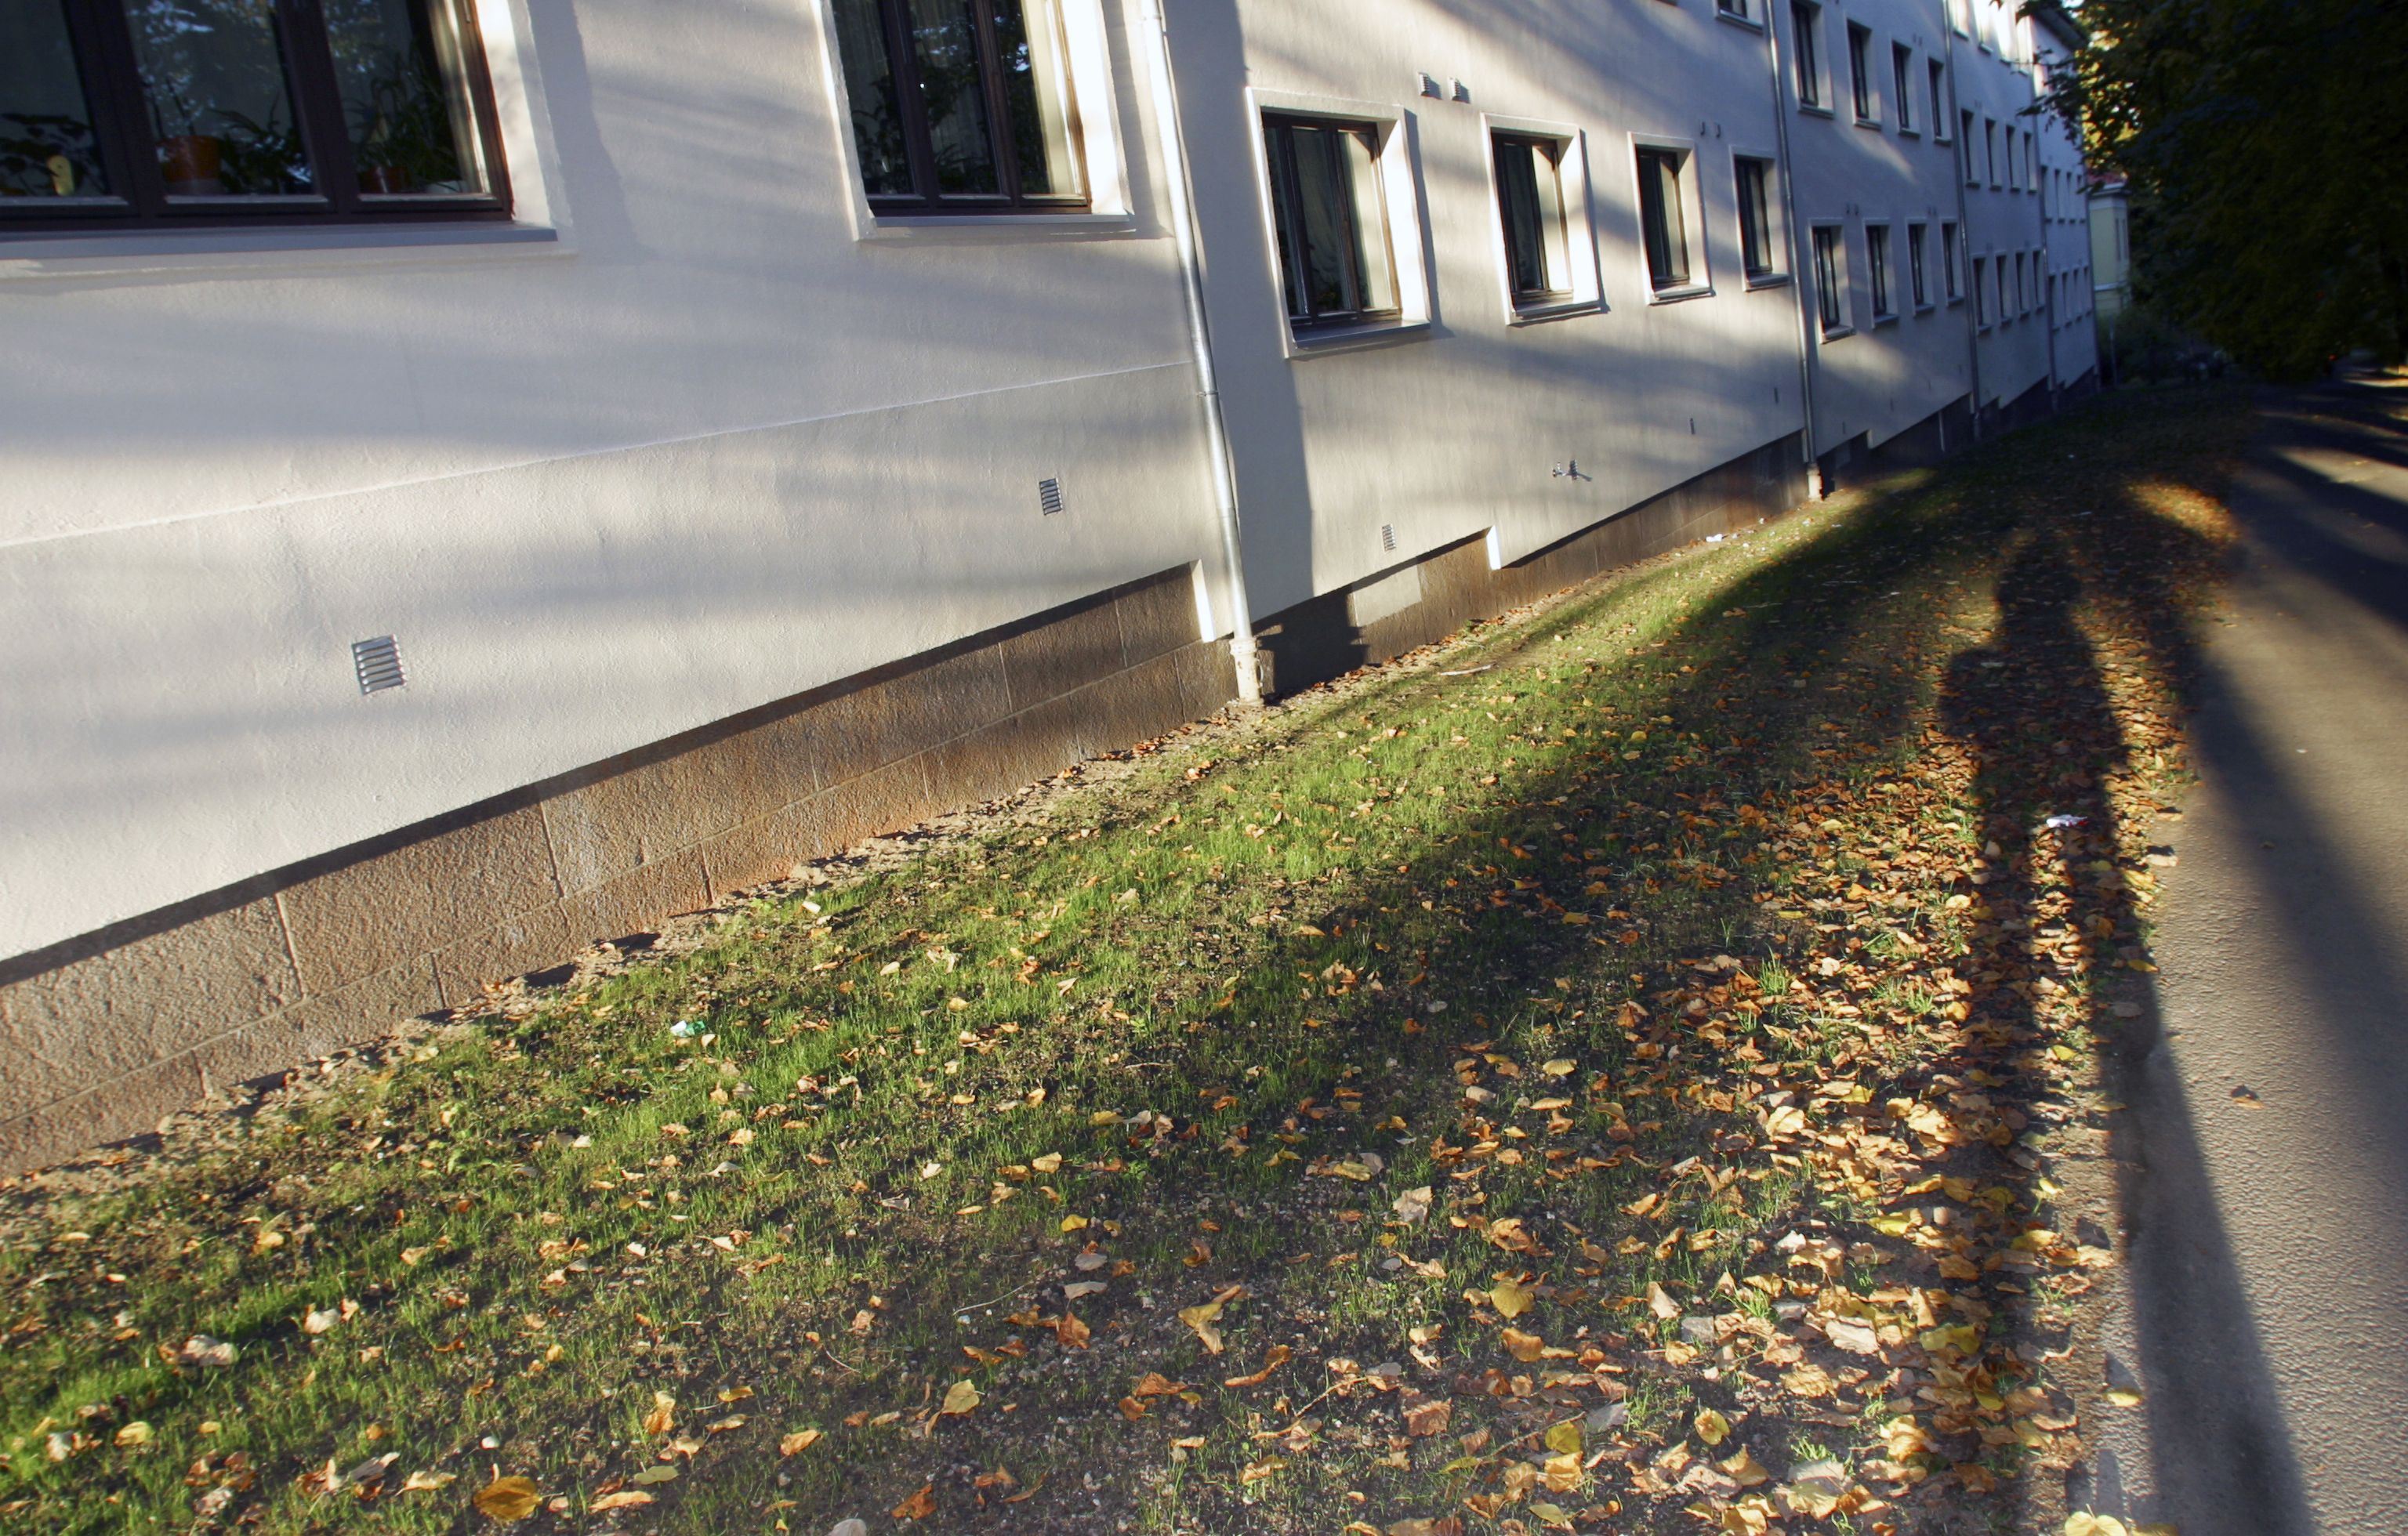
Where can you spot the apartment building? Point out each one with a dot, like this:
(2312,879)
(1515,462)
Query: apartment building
(484,476)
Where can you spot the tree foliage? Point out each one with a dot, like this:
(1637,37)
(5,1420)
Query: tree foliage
(2267,145)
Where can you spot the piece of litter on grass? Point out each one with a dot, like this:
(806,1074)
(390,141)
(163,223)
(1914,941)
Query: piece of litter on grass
(2061,822)
(1466,672)
(682,1029)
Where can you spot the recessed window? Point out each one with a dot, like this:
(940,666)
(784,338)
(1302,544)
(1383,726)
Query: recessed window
(1901,70)
(1331,221)
(1948,262)
(1990,148)
(1663,220)
(1965,147)
(1736,9)
(1759,256)
(1805,27)
(1531,204)
(2031,175)
(1860,70)
(1981,292)
(961,106)
(1830,280)
(1939,99)
(180,112)
(1918,263)
(2005,313)
(1877,270)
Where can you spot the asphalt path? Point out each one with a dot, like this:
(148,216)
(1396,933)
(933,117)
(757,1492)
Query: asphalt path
(2263,1313)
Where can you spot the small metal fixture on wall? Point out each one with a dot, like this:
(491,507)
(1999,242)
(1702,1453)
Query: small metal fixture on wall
(1388,537)
(1048,496)
(378,663)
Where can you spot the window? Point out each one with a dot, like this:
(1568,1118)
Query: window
(1877,269)
(1332,228)
(1990,148)
(1981,292)
(1735,9)
(1964,149)
(2023,301)
(1917,265)
(960,106)
(1860,71)
(1939,99)
(1530,201)
(1948,262)
(1805,23)
(1830,275)
(182,113)
(2004,313)
(2031,175)
(1663,223)
(1901,69)
(1757,255)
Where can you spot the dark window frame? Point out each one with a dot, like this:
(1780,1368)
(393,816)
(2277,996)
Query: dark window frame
(1981,276)
(1877,271)
(1939,72)
(1919,260)
(1830,280)
(1902,68)
(1805,23)
(1860,72)
(1948,259)
(1759,258)
(1663,220)
(1519,221)
(114,95)
(919,149)
(1289,224)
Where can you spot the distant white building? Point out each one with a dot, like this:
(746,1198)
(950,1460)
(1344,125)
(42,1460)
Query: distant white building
(483,475)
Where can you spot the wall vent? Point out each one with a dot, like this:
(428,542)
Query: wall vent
(378,661)
(1048,496)
(1388,537)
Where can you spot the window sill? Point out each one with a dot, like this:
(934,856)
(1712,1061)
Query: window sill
(1349,339)
(1812,111)
(1910,132)
(1769,279)
(1538,314)
(1750,22)
(1880,320)
(1682,294)
(1839,333)
(76,252)
(1007,226)
(1874,123)
(1925,309)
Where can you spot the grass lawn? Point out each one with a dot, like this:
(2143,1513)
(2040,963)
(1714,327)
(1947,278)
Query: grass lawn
(1618,1071)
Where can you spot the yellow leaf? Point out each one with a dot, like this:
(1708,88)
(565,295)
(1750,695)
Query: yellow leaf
(1510,1299)
(1523,1347)
(1552,1515)
(624,1498)
(960,1397)
(1891,1226)
(1565,1439)
(1744,1470)
(801,1439)
(2126,1397)
(1049,1162)
(1711,1426)
(508,1499)
(1562,1066)
(1074,1223)
(662,1415)
(2094,1525)
(1201,1318)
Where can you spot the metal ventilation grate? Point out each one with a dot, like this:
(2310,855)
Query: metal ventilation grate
(378,661)
(1388,537)
(1048,496)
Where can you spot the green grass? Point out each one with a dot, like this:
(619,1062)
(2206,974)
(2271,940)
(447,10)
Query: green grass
(1196,988)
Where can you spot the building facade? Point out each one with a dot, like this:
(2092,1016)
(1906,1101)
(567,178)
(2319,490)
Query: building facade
(484,476)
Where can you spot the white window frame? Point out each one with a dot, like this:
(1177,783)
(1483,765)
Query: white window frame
(1402,200)
(1579,220)
(1087,53)
(1776,216)
(1693,217)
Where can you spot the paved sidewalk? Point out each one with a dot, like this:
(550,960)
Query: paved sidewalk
(2265,1316)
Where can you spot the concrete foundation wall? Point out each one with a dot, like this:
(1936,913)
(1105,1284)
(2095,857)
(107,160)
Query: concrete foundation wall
(105,1033)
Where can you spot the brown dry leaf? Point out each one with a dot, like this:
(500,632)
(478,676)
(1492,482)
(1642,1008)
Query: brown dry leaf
(319,1320)
(1522,1347)
(1132,1409)
(624,1498)
(1154,1383)
(801,1439)
(1808,1381)
(1280,1355)
(423,1481)
(1510,1298)
(1743,1469)
(960,1397)
(919,1506)
(1429,1418)
(1660,1303)
(508,1499)
(1202,1317)
(1261,1469)
(1070,1333)
(720,1427)
(1508,1234)
(663,1417)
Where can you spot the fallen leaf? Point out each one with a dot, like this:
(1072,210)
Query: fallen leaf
(655,1475)
(424,1481)
(720,1427)
(1510,1298)
(319,1320)
(1412,1205)
(1074,1223)
(1429,1417)
(919,1506)
(801,1439)
(2094,1525)
(1261,1469)
(1522,1347)
(1280,1355)
(1711,1426)
(136,1433)
(1562,1066)
(624,1498)
(1050,1163)
(960,1397)
(1661,1304)
(1070,1333)
(1077,1288)
(1743,1469)
(508,1499)
(1202,1317)
(2126,1397)
(662,1415)
(1564,1438)
(1553,1515)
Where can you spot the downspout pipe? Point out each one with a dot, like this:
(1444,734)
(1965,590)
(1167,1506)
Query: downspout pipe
(1798,263)
(1962,255)
(1200,332)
